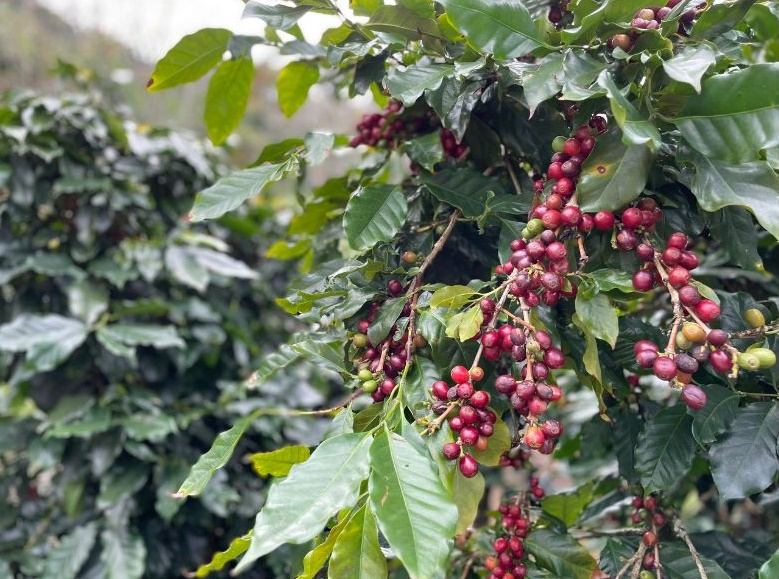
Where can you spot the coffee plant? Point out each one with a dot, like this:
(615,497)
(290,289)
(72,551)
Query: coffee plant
(547,278)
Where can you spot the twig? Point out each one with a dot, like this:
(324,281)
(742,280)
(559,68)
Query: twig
(681,532)
(771,328)
(518,320)
(592,533)
(436,424)
(513,176)
(633,563)
(468,565)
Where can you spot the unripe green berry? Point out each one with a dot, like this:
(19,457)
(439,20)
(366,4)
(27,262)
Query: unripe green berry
(754,317)
(748,361)
(370,386)
(766,357)
(364,374)
(360,340)
(558,143)
(535,227)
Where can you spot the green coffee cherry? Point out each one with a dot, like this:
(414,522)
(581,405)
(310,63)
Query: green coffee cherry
(557,144)
(364,374)
(754,318)
(748,361)
(766,357)
(370,386)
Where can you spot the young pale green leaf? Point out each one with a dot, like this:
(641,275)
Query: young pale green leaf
(374,214)
(467,494)
(276,16)
(465,325)
(678,564)
(409,83)
(228,193)
(745,462)
(770,569)
(503,29)
(636,130)
(216,457)
(123,554)
(298,507)
(665,449)
(236,548)
(599,317)
(614,174)
(560,554)
(414,511)
(357,554)
(293,83)
(735,115)
(316,558)
(690,65)
(228,93)
(451,296)
(568,506)
(716,416)
(66,559)
(279,462)
(753,185)
(192,57)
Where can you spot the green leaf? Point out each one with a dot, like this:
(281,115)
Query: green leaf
(293,83)
(735,116)
(229,192)
(753,185)
(92,422)
(567,507)
(467,493)
(451,296)
(745,462)
(318,556)
(272,363)
(665,449)
(27,331)
(636,130)
(374,214)
(298,507)
(279,462)
(614,174)
(503,29)
(465,325)
(690,64)
(276,16)
(357,554)
(560,554)
(414,511)
(192,57)
(737,225)
(614,555)
(216,457)
(318,147)
(426,150)
(463,188)
(599,317)
(87,300)
(149,426)
(236,548)
(66,559)
(322,354)
(408,84)
(183,266)
(612,279)
(228,93)
(720,18)
(500,442)
(120,482)
(678,564)
(385,319)
(590,357)
(123,554)
(542,80)
(770,569)
(395,24)
(143,335)
(714,418)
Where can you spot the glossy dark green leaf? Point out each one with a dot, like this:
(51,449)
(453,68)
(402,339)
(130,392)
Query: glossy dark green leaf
(580,71)
(293,83)
(636,130)
(228,93)
(409,83)
(599,316)
(720,18)
(413,510)
(716,416)
(465,189)
(87,300)
(123,554)
(236,548)
(590,356)
(374,214)
(316,558)
(590,14)
(560,554)
(396,24)
(753,185)
(278,462)
(356,553)
(737,225)
(388,314)
(745,462)
(735,116)
(28,330)
(614,174)
(298,507)
(192,57)
(690,64)
(627,429)
(426,150)
(503,29)
(679,564)
(120,482)
(149,426)
(665,449)
(542,80)
(614,555)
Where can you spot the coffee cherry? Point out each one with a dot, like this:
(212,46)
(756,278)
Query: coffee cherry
(717,338)
(688,260)
(394,287)
(505,384)
(631,218)
(464,390)
(554,358)
(621,40)
(678,277)
(748,361)
(534,437)
(671,256)
(451,450)
(766,357)
(468,466)
(643,280)
(693,397)
(387,386)
(440,389)
(646,574)
(720,361)
(645,252)
(604,220)
(552,219)
(460,374)
(469,435)
(480,399)
(693,332)
(686,363)
(409,257)
(689,295)
(552,429)
(642,345)
(627,240)
(707,310)
(477,373)
(754,318)
(664,368)
(649,539)
(370,386)
(677,240)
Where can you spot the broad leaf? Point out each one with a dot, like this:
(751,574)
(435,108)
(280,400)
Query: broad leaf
(228,93)
(665,449)
(293,83)
(276,16)
(279,462)
(87,300)
(542,80)
(503,29)
(614,174)
(745,462)
(451,296)
(636,130)
(414,511)
(228,193)
(466,324)
(409,83)
(325,355)
(143,335)
(560,554)
(66,559)
(718,414)
(735,116)
(466,189)
(357,554)
(236,548)
(385,319)
(29,330)
(216,457)
(123,554)
(374,214)
(690,65)
(192,57)
(467,493)
(316,558)
(590,355)
(770,568)
(679,564)
(568,506)
(599,317)
(298,507)
(500,442)
(426,150)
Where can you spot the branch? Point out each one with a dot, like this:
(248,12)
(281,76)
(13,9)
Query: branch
(633,563)
(681,532)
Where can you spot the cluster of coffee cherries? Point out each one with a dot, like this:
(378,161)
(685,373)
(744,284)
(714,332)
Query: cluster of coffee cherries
(468,414)
(557,13)
(390,127)
(647,510)
(380,364)
(650,19)
(451,147)
(509,547)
